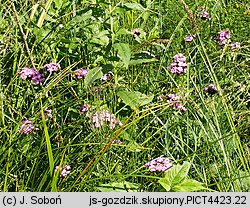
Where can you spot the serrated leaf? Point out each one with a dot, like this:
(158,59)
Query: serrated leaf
(92,75)
(165,183)
(178,173)
(124,52)
(134,6)
(134,99)
(188,185)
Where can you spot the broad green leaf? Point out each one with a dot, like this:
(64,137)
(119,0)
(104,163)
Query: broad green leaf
(188,185)
(165,183)
(81,18)
(129,98)
(101,38)
(134,6)
(93,75)
(124,52)
(134,99)
(123,31)
(58,4)
(178,173)
(141,58)
(144,99)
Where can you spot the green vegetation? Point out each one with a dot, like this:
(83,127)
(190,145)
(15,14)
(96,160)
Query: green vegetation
(126,46)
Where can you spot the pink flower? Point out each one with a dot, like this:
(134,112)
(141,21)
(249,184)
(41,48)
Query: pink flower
(136,33)
(223,36)
(27,73)
(81,73)
(47,114)
(189,38)
(160,164)
(107,77)
(31,74)
(235,45)
(27,127)
(175,101)
(84,108)
(52,67)
(179,66)
(204,15)
(64,172)
(99,118)
(211,89)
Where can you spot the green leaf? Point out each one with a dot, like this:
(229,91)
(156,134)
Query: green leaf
(165,183)
(141,58)
(92,75)
(178,173)
(188,185)
(134,99)
(119,187)
(81,18)
(144,99)
(58,4)
(101,38)
(124,52)
(134,6)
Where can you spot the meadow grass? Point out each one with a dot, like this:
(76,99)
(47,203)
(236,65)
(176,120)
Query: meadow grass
(212,134)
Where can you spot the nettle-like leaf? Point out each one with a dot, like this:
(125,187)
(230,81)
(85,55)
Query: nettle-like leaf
(176,179)
(124,52)
(134,6)
(188,185)
(178,173)
(165,183)
(141,58)
(119,187)
(101,38)
(92,75)
(81,18)
(135,99)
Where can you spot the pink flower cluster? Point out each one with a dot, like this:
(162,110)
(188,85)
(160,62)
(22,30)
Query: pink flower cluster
(223,36)
(99,118)
(47,114)
(107,77)
(84,109)
(211,89)
(81,73)
(52,67)
(116,141)
(204,15)
(173,98)
(27,127)
(136,33)
(35,76)
(160,164)
(235,45)
(64,172)
(31,74)
(179,65)
(189,38)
